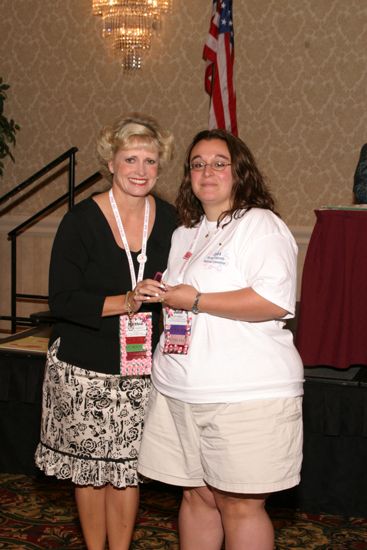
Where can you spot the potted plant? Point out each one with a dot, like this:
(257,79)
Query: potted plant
(8,128)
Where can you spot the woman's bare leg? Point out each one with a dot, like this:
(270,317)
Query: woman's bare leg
(91,508)
(245,521)
(121,510)
(200,525)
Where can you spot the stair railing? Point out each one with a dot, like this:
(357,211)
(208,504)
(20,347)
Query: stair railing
(70,155)
(14,233)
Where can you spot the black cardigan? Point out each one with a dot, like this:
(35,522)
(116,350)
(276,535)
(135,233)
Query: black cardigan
(86,266)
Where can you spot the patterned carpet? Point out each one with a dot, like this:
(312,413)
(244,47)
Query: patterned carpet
(40,513)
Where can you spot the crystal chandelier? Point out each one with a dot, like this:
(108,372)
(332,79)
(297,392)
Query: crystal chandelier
(128,26)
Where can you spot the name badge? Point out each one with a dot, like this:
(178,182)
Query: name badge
(136,344)
(177,331)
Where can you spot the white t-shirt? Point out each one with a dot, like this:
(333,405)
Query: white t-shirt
(231,360)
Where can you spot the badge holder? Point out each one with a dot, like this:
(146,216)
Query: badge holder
(136,344)
(177,331)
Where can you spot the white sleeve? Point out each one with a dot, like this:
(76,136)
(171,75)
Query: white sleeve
(270,269)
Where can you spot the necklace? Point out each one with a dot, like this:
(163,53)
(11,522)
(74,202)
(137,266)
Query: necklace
(211,228)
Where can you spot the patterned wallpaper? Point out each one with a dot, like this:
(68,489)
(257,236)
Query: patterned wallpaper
(300,75)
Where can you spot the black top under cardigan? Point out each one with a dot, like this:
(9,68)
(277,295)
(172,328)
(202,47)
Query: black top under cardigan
(86,266)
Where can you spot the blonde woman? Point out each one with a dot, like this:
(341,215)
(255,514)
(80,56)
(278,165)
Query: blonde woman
(97,380)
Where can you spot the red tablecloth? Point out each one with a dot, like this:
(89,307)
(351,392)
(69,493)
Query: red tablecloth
(332,325)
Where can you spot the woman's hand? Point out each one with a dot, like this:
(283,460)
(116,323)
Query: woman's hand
(145,292)
(148,291)
(180,296)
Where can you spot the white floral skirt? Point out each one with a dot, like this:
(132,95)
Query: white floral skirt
(91,424)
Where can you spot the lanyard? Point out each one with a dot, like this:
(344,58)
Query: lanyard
(142,257)
(186,257)
(190,251)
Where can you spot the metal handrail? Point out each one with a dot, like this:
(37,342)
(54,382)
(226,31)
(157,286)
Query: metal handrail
(70,153)
(14,233)
(53,205)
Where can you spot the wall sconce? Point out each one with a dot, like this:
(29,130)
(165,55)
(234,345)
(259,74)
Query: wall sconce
(128,26)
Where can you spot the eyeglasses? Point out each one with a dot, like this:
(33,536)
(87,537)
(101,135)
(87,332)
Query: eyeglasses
(217,165)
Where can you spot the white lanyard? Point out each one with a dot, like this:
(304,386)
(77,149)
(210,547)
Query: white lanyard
(190,251)
(142,257)
(188,254)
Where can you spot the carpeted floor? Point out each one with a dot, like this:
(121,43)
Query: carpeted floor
(40,513)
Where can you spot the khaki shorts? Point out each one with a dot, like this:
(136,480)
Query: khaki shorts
(252,447)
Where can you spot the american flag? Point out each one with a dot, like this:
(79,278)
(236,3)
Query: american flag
(219,56)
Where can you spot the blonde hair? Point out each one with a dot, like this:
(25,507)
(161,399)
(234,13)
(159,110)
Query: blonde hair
(134,129)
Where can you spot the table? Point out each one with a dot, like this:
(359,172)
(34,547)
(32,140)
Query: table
(332,320)
(21,377)
(333,476)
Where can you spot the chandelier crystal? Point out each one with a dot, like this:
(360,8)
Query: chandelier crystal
(128,26)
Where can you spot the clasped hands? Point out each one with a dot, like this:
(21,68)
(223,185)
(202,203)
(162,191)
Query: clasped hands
(151,291)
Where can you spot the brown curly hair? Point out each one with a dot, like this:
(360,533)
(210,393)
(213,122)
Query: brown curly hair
(249,188)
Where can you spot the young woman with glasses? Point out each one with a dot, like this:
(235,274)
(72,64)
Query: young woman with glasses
(224,419)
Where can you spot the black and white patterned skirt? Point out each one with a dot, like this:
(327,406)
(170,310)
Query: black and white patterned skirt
(91,424)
